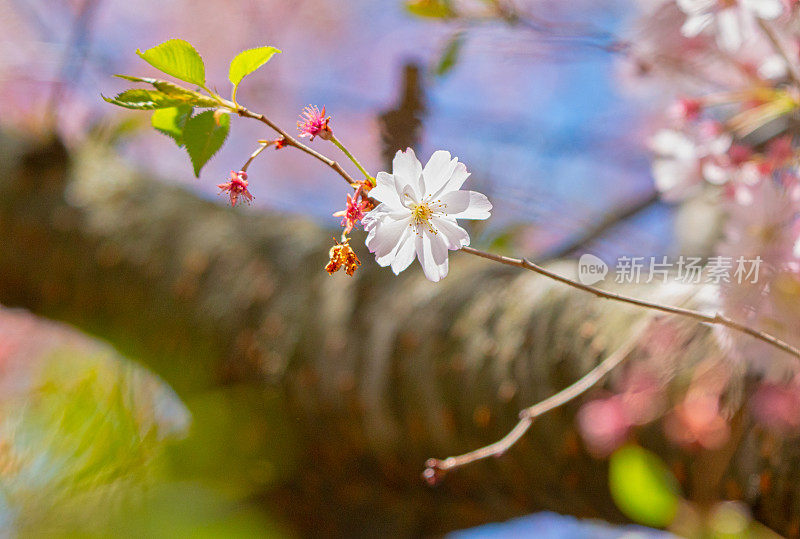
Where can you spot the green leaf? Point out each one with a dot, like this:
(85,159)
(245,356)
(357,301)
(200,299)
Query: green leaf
(178,58)
(433,9)
(144,100)
(450,54)
(642,486)
(172,121)
(248,61)
(190,97)
(204,136)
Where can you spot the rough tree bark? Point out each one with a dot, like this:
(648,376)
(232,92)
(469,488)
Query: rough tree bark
(373,374)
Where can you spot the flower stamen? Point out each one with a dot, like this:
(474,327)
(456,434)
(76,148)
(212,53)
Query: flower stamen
(421,214)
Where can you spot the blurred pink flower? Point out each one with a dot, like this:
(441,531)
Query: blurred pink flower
(697,421)
(604,425)
(686,109)
(684,158)
(642,396)
(777,407)
(732,21)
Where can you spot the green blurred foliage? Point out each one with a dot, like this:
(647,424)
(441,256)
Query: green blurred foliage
(434,9)
(89,450)
(450,54)
(643,487)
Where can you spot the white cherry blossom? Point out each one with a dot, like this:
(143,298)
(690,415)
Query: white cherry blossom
(733,21)
(683,159)
(418,212)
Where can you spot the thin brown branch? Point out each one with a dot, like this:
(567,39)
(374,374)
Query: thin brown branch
(263,146)
(716,319)
(291,141)
(435,468)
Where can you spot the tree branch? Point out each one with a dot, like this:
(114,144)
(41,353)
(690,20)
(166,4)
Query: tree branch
(435,468)
(291,141)
(716,319)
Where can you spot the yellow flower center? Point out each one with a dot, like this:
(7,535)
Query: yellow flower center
(421,213)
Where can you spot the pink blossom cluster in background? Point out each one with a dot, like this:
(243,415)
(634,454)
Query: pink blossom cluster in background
(725,152)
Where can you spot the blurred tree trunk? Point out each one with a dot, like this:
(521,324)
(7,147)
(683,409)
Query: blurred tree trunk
(341,387)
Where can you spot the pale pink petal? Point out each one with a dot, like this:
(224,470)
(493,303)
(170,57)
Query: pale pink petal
(409,196)
(456,180)
(438,170)
(381,213)
(387,235)
(405,252)
(715,174)
(432,255)
(766,9)
(729,29)
(406,169)
(695,24)
(454,236)
(673,143)
(386,190)
(696,6)
(466,205)
(389,258)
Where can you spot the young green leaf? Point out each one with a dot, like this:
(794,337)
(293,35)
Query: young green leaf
(248,61)
(190,97)
(203,136)
(433,9)
(642,486)
(177,58)
(139,99)
(450,55)
(172,121)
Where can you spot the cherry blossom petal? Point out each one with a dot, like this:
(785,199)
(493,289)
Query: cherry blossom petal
(386,237)
(696,23)
(691,7)
(432,255)
(386,191)
(405,236)
(407,169)
(765,9)
(405,253)
(729,29)
(455,237)
(383,212)
(466,205)
(457,179)
(674,144)
(409,196)
(438,171)
(715,174)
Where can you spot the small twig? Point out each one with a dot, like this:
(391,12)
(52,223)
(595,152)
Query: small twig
(263,146)
(352,158)
(435,468)
(716,319)
(291,141)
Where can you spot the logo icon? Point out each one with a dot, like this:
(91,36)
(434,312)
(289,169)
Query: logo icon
(591,269)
